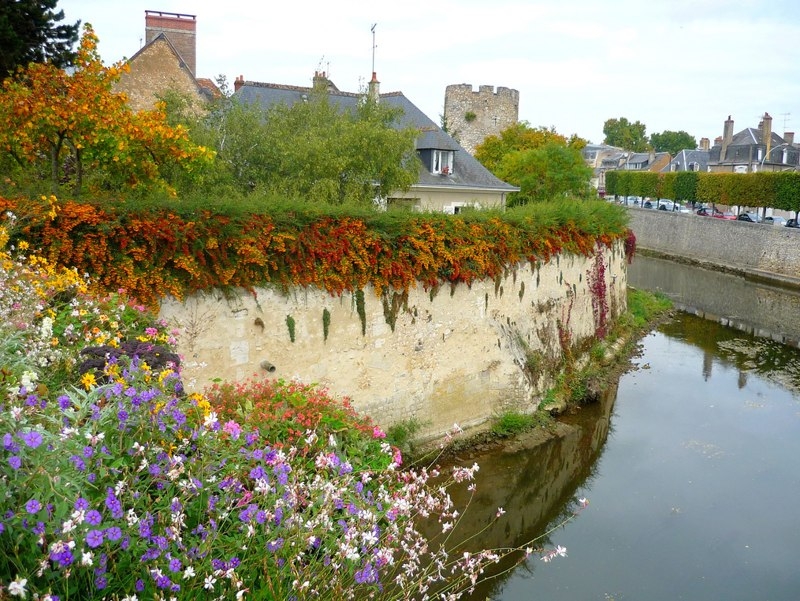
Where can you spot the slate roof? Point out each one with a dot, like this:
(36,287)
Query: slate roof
(467,174)
(686,157)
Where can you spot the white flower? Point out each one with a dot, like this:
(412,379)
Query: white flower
(208,584)
(17,588)
(87,558)
(188,573)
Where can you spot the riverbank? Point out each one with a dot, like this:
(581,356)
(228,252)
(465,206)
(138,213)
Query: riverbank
(583,385)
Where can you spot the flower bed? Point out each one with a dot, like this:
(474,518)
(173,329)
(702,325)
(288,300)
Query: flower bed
(116,484)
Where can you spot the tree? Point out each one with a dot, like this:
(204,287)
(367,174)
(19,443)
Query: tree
(623,134)
(672,142)
(551,171)
(520,136)
(315,149)
(68,126)
(29,32)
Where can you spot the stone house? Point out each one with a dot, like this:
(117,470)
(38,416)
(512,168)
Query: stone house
(646,161)
(450,178)
(754,149)
(602,158)
(165,63)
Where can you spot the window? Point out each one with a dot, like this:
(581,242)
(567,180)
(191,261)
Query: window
(694,166)
(443,162)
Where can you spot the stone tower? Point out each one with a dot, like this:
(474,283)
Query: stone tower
(472,116)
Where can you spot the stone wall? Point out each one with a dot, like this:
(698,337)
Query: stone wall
(460,354)
(766,251)
(153,71)
(490,112)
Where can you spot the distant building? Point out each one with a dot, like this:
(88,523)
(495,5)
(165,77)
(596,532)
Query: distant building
(689,160)
(602,158)
(166,62)
(450,178)
(473,116)
(754,149)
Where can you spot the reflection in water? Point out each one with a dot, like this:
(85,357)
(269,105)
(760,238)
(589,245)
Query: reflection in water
(696,477)
(537,487)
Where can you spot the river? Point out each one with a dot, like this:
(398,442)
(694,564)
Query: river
(689,463)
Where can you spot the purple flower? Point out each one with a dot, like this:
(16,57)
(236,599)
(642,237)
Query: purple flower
(94,538)
(15,462)
(139,585)
(273,546)
(93,517)
(175,565)
(33,438)
(101,582)
(113,533)
(8,443)
(64,402)
(81,504)
(33,506)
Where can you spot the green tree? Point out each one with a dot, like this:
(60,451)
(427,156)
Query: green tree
(547,172)
(624,134)
(519,137)
(30,32)
(672,141)
(315,149)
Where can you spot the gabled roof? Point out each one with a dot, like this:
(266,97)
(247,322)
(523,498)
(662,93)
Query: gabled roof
(753,135)
(468,173)
(686,157)
(202,89)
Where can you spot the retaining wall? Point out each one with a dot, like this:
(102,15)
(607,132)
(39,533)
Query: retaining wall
(770,252)
(461,354)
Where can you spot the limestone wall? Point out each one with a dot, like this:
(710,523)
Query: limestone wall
(770,251)
(459,355)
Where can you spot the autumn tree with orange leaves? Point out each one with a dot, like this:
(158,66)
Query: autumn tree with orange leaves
(71,129)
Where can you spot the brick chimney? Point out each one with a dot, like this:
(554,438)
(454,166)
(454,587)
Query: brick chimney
(180,29)
(766,132)
(788,137)
(727,136)
(704,144)
(374,88)
(238,83)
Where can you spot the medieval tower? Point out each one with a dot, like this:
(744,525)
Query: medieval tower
(472,116)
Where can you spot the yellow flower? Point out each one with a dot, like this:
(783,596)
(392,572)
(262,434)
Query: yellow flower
(163,375)
(23,245)
(88,380)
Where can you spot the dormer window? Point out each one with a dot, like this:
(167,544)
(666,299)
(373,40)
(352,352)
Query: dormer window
(443,162)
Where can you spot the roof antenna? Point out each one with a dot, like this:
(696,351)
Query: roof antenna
(372,29)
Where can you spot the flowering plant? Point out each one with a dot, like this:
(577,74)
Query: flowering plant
(116,484)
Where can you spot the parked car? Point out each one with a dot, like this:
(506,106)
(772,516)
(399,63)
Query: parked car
(750,217)
(727,215)
(793,223)
(775,220)
(665,204)
(647,205)
(709,212)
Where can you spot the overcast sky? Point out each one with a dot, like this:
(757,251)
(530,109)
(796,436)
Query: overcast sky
(671,64)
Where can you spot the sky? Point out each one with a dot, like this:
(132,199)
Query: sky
(670,64)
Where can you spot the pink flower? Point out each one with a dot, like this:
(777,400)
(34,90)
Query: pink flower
(397,457)
(378,433)
(232,428)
